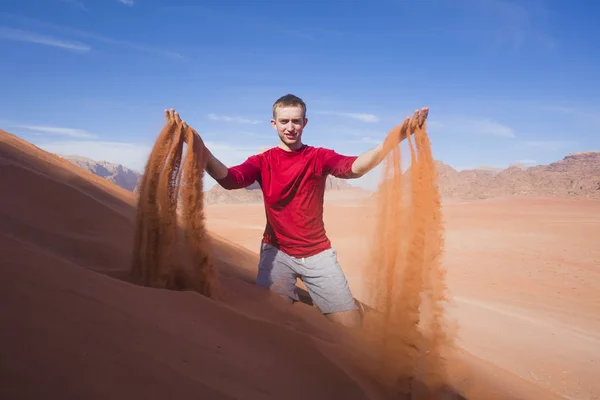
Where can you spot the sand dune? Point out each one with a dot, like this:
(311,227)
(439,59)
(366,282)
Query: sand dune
(74,333)
(74,327)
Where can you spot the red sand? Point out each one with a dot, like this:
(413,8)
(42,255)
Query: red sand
(171,252)
(407,284)
(523,277)
(73,328)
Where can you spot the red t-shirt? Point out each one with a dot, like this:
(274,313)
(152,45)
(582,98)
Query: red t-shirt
(293,185)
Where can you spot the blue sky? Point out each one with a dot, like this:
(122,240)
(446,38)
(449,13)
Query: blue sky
(506,81)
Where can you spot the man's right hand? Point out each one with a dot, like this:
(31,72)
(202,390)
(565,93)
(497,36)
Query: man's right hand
(173,117)
(215,168)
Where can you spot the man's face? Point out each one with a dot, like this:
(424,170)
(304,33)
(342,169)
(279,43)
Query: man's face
(289,123)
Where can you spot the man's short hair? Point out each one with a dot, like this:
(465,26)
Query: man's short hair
(289,100)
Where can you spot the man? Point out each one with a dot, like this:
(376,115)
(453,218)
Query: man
(292,177)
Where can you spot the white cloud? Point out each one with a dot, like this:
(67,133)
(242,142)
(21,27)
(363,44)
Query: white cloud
(32,37)
(488,127)
(259,135)
(358,116)
(93,36)
(475,126)
(229,154)
(77,4)
(346,131)
(584,116)
(368,140)
(550,145)
(560,109)
(507,24)
(237,119)
(71,132)
(127,2)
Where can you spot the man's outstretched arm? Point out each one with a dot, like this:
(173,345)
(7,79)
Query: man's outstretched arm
(371,158)
(367,161)
(237,177)
(215,168)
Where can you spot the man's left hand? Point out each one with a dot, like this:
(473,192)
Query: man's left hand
(416,121)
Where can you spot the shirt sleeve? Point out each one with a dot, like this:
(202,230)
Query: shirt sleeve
(336,164)
(242,175)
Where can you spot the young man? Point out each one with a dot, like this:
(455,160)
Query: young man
(292,178)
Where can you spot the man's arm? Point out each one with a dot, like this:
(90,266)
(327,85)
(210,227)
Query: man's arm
(367,161)
(215,168)
(237,177)
(371,158)
(352,167)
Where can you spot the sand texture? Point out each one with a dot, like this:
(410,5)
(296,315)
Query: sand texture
(522,279)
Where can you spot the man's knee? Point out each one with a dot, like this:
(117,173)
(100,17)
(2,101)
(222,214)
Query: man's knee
(350,318)
(287,298)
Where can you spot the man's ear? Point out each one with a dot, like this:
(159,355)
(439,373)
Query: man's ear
(305,121)
(273,124)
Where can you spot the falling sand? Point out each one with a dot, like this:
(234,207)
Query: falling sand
(406,249)
(161,257)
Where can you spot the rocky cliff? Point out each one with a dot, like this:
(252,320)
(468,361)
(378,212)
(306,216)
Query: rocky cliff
(576,175)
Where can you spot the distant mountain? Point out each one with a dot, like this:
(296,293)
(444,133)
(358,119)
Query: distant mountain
(116,173)
(576,175)
(129,179)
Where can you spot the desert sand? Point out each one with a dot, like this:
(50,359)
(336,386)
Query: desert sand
(524,279)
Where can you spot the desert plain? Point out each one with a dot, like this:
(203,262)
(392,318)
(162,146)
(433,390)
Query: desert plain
(523,278)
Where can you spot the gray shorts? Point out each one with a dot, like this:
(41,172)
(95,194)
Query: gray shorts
(321,273)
